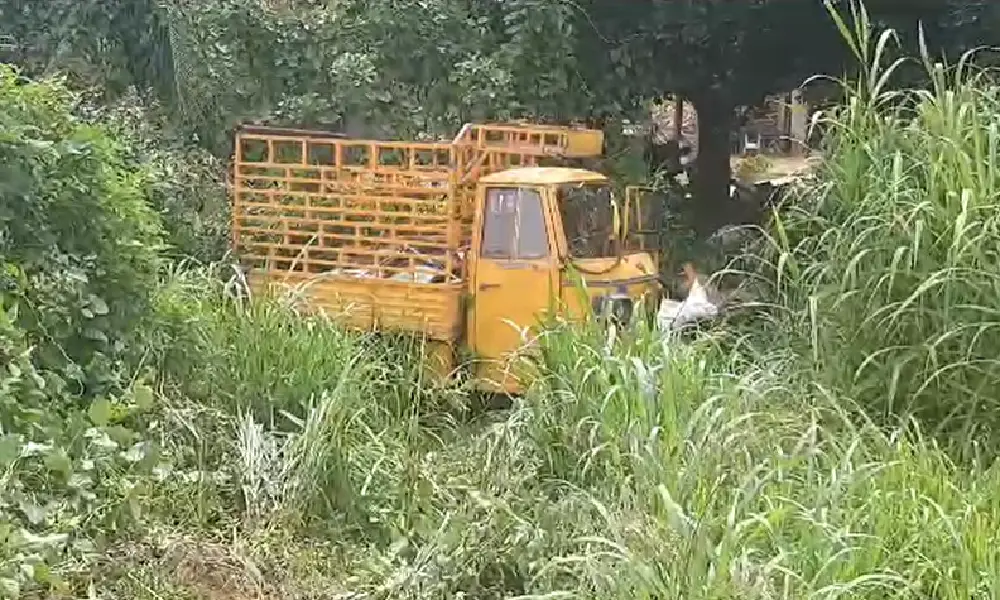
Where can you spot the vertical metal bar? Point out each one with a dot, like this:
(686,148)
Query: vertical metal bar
(286,238)
(272,252)
(454,215)
(237,190)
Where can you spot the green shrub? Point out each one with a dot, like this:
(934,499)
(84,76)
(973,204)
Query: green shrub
(77,231)
(186,182)
(79,260)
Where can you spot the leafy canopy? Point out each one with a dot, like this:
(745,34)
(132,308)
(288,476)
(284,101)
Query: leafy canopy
(737,50)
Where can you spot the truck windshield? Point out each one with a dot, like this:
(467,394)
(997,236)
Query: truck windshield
(588,219)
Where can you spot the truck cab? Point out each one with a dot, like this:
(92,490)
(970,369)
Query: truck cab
(539,233)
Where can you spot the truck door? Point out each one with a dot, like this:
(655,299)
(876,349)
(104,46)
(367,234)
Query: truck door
(645,213)
(513,280)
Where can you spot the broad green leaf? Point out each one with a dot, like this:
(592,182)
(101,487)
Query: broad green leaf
(58,461)
(43,542)
(123,436)
(10,449)
(136,453)
(135,507)
(33,512)
(43,574)
(9,588)
(100,412)
(98,305)
(143,397)
(95,334)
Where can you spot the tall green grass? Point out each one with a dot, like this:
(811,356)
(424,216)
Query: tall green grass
(726,482)
(735,482)
(761,473)
(724,479)
(231,349)
(890,262)
(302,419)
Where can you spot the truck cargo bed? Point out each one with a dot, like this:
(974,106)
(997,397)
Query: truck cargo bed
(430,309)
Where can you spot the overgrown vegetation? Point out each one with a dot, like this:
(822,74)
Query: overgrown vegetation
(80,255)
(163,435)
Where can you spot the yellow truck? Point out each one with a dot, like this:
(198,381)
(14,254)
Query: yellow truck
(468,243)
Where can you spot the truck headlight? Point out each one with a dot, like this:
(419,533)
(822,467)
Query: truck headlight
(618,309)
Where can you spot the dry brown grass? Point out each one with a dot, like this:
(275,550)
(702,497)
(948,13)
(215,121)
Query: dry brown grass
(214,571)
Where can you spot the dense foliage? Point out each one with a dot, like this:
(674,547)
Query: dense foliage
(80,254)
(382,68)
(80,242)
(186,182)
(163,435)
(892,256)
(419,67)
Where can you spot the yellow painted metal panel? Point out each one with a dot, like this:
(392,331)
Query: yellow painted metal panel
(372,304)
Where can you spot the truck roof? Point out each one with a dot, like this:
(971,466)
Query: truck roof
(544,175)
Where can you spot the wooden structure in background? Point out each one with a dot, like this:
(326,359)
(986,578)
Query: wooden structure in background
(779,126)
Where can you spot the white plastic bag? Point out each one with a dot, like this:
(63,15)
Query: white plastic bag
(696,307)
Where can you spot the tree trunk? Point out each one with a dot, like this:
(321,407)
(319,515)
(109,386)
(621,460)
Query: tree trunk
(712,172)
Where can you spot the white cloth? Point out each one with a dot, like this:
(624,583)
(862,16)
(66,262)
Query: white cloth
(696,307)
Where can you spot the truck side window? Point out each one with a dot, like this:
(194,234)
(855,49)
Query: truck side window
(514,225)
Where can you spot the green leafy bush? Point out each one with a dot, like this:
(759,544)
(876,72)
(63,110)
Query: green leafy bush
(186,182)
(79,262)
(77,230)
